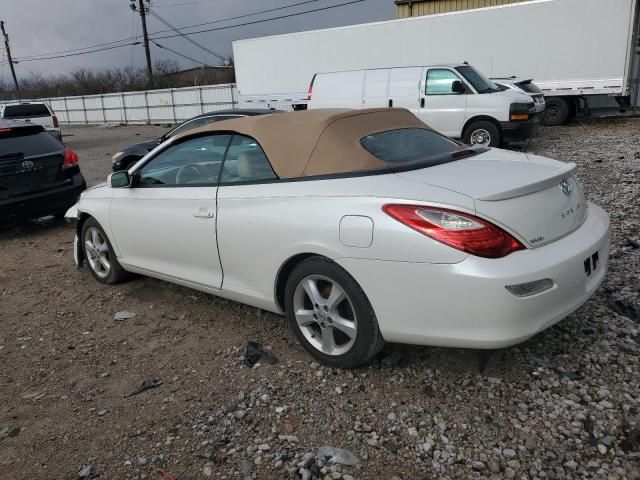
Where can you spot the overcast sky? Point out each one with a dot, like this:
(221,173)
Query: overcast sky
(37,27)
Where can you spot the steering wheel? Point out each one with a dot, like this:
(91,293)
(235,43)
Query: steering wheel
(190,174)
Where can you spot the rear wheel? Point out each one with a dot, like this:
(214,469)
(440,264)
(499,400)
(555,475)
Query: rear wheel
(482,132)
(330,315)
(556,112)
(99,254)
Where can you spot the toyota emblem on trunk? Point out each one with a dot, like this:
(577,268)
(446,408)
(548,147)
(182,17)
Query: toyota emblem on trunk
(28,164)
(566,187)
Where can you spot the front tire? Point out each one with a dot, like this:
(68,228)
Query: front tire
(482,132)
(98,252)
(330,315)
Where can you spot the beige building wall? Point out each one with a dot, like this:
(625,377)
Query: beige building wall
(416,8)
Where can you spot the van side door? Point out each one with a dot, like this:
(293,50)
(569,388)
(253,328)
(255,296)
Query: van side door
(404,88)
(442,107)
(376,84)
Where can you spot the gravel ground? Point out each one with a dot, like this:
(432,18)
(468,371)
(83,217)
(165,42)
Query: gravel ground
(564,404)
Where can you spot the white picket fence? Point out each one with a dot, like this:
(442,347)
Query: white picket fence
(170,105)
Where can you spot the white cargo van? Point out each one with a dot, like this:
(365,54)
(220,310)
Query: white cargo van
(455,100)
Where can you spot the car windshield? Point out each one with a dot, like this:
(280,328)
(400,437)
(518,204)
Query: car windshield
(481,83)
(409,146)
(27,110)
(27,142)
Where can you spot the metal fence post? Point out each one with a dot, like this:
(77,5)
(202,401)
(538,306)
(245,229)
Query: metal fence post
(146,104)
(104,113)
(233,102)
(84,111)
(124,108)
(66,111)
(173,107)
(200,100)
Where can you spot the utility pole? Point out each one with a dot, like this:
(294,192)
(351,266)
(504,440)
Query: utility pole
(6,45)
(143,16)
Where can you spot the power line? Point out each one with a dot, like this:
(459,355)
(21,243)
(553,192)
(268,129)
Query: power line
(28,59)
(197,2)
(76,54)
(215,54)
(243,15)
(136,37)
(178,53)
(264,20)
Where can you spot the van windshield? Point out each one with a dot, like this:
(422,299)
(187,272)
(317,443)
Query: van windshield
(410,146)
(481,83)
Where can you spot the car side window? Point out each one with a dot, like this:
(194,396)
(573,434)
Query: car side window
(246,162)
(440,81)
(193,162)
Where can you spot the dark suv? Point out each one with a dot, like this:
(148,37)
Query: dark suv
(38,174)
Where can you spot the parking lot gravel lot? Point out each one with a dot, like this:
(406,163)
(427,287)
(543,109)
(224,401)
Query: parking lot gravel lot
(565,404)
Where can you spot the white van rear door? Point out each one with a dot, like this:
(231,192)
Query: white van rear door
(404,88)
(338,90)
(376,84)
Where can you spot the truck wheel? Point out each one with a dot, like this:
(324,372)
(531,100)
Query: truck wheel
(482,133)
(556,112)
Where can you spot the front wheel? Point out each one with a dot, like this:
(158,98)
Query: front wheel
(482,133)
(99,254)
(330,315)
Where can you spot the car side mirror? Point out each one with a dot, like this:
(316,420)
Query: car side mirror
(457,87)
(119,179)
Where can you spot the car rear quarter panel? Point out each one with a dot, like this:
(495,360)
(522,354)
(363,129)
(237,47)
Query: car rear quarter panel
(260,227)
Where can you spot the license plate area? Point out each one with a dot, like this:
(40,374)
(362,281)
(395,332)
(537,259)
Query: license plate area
(591,264)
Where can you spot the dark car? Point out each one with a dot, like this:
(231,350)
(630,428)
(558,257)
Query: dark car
(131,154)
(38,175)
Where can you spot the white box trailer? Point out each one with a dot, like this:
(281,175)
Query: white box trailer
(575,50)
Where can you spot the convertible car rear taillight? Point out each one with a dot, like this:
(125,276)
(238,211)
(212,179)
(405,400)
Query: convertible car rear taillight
(458,230)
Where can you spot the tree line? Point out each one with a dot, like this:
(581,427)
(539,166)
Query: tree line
(83,81)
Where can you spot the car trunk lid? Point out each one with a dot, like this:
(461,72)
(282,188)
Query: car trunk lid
(535,198)
(30,161)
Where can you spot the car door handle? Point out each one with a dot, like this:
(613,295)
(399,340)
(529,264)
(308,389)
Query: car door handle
(422,102)
(390,103)
(203,212)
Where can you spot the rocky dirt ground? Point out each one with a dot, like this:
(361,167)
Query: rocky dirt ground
(564,404)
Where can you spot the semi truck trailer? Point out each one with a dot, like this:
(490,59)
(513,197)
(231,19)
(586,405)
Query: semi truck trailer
(582,53)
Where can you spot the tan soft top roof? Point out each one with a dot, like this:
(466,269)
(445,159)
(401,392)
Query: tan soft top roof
(316,142)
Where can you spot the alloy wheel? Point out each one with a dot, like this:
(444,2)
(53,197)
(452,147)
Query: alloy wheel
(325,315)
(97,251)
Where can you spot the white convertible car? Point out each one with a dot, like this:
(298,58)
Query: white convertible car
(361,226)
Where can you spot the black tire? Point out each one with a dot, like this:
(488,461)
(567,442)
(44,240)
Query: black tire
(482,128)
(115,273)
(368,339)
(557,112)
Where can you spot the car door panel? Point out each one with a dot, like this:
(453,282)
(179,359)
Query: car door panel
(440,108)
(171,231)
(166,223)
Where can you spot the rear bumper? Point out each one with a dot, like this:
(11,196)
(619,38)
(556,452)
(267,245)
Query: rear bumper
(513,132)
(38,204)
(467,305)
